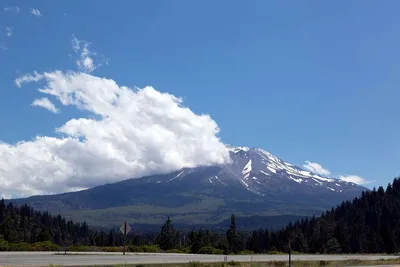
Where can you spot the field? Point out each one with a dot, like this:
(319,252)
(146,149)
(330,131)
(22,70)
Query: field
(205,211)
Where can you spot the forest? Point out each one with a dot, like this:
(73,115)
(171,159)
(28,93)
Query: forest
(367,224)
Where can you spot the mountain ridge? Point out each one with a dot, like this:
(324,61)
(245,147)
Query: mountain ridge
(255,182)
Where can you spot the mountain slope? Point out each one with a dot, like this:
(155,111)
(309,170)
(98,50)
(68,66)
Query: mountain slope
(369,223)
(254,183)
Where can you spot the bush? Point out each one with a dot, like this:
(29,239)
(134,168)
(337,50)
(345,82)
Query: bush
(175,250)
(111,249)
(135,249)
(323,263)
(3,245)
(20,247)
(210,250)
(245,252)
(151,249)
(194,264)
(278,263)
(45,246)
(145,248)
(83,248)
(274,252)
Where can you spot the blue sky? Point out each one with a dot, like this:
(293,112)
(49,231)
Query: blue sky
(306,80)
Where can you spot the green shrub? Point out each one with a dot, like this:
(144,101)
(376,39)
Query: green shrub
(210,250)
(151,249)
(175,250)
(274,252)
(111,249)
(144,248)
(135,249)
(323,263)
(233,263)
(245,252)
(20,247)
(194,264)
(278,263)
(45,246)
(83,248)
(3,245)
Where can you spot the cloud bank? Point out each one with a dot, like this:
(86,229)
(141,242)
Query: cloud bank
(134,132)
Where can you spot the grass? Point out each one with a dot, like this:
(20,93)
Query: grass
(264,264)
(143,213)
(276,263)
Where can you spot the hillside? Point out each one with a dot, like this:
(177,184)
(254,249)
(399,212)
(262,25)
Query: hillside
(254,183)
(368,224)
(23,224)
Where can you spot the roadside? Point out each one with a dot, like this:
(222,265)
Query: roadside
(349,263)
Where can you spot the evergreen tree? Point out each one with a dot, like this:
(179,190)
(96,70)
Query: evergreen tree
(168,237)
(232,236)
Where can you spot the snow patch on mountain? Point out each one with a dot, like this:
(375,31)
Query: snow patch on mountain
(173,178)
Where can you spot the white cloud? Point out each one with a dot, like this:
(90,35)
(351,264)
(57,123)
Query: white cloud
(136,132)
(85,62)
(13,9)
(28,78)
(9,31)
(36,12)
(44,102)
(354,179)
(3,46)
(316,168)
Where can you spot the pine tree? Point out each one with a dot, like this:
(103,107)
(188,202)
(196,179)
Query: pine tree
(232,236)
(168,237)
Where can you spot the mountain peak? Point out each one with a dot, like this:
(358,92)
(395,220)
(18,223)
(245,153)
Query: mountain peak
(253,182)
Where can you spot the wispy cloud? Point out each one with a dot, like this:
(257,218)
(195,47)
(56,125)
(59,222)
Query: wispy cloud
(3,46)
(13,9)
(354,179)
(316,168)
(85,62)
(44,102)
(9,31)
(36,12)
(35,77)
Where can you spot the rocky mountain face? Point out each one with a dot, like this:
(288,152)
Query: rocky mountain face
(255,183)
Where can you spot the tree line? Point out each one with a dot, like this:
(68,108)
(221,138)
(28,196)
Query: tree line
(367,224)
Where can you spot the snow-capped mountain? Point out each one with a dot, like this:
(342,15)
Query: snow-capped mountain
(255,182)
(261,173)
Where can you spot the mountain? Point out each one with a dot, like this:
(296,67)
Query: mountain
(254,183)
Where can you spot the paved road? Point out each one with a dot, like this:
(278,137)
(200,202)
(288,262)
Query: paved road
(82,259)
